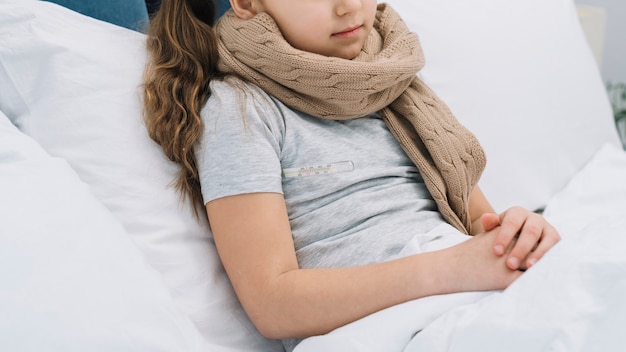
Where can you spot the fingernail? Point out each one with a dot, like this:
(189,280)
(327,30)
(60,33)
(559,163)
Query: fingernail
(499,249)
(513,263)
(531,262)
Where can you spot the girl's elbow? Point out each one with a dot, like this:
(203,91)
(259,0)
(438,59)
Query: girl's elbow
(272,332)
(276,320)
(273,326)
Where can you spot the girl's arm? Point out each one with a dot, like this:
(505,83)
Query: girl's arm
(479,208)
(528,233)
(254,240)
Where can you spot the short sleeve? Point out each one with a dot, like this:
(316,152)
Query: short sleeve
(239,151)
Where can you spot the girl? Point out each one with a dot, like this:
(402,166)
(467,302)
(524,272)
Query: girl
(335,182)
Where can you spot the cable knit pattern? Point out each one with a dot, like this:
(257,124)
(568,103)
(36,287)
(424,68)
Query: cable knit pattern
(381,78)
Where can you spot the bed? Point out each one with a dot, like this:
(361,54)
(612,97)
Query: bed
(97,253)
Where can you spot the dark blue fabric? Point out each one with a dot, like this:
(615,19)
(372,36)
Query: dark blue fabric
(131,14)
(222,6)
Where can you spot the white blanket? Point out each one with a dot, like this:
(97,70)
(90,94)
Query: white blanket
(571,300)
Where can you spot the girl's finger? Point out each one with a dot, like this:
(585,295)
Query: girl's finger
(549,238)
(512,221)
(489,221)
(528,240)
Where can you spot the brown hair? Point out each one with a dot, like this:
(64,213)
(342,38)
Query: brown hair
(182,60)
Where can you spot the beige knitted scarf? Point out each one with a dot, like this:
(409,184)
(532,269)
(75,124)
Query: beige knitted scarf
(382,78)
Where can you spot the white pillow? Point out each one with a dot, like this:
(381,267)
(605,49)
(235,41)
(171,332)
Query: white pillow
(73,84)
(72,279)
(521,76)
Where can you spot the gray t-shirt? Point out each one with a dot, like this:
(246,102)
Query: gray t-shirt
(352,194)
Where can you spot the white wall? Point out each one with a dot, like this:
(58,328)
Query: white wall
(614,56)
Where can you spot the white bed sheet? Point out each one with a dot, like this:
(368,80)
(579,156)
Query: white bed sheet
(597,191)
(572,300)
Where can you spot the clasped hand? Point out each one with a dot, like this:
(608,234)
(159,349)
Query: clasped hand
(523,236)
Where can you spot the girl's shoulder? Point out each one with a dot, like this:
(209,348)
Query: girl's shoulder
(234,91)
(235,104)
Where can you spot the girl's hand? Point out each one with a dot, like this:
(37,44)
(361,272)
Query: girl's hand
(478,268)
(528,234)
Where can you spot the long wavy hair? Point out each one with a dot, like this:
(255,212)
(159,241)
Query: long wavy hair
(182,50)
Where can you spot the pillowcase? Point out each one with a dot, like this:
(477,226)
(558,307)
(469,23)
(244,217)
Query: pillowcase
(521,76)
(72,279)
(73,84)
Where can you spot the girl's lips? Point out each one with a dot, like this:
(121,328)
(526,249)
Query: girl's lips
(348,33)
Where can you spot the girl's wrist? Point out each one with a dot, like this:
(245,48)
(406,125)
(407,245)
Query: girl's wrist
(477,227)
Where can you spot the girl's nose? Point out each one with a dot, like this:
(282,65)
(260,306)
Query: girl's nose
(344,7)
